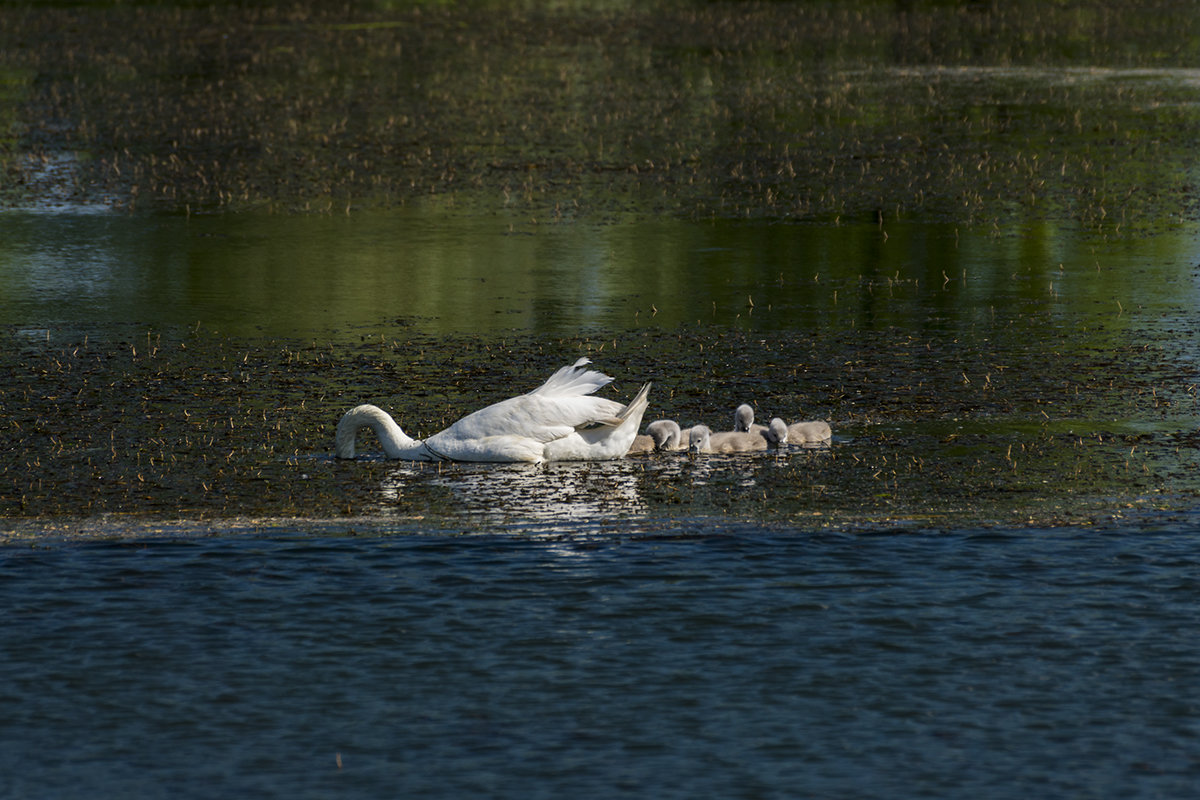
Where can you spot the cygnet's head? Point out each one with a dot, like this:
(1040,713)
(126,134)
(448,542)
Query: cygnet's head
(743,417)
(698,439)
(664,432)
(777,432)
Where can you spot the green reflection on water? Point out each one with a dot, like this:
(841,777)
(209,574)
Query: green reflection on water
(272,275)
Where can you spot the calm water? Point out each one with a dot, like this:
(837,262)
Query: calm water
(261,275)
(670,662)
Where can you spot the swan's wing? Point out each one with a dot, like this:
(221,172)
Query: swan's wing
(560,407)
(489,448)
(573,381)
(543,419)
(603,437)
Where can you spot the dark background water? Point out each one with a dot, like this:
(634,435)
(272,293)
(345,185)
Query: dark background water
(696,660)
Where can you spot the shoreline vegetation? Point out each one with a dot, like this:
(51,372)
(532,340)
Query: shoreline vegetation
(974,112)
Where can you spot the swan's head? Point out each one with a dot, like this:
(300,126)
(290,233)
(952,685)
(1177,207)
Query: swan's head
(698,439)
(743,417)
(663,431)
(777,432)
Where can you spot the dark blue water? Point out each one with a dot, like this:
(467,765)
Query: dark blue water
(682,662)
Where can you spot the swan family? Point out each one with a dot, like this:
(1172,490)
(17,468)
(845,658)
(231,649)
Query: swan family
(561,420)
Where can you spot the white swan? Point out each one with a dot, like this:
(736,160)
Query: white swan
(667,435)
(703,440)
(809,432)
(558,421)
(743,420)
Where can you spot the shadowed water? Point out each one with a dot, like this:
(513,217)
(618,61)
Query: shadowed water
(672,663)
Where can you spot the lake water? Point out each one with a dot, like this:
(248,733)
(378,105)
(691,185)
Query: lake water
(261,275)
(885,617)
(696,659)
(816,623)
(964,234)
(875,619)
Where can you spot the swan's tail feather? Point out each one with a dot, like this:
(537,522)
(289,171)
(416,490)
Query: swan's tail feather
(636,406)
(573,381)
(638,403)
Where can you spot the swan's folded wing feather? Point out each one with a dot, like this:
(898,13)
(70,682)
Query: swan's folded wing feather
(604,422)
(561,415)
(573,381)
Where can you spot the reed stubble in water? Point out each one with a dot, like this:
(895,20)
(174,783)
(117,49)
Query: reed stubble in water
(193,426)
(792,111)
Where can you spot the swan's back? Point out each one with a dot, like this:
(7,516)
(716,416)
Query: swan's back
(551,411)
(558,421)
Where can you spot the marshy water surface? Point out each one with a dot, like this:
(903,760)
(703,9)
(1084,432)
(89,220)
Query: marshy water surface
(966,237)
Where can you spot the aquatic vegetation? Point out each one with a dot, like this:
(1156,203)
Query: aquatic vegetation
(190,425)
(974,112)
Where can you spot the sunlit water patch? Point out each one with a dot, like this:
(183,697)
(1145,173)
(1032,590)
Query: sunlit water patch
(561,494)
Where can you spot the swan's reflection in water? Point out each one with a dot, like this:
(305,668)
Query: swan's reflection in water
(631,495)
(566,492)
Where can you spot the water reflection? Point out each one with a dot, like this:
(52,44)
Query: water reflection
(564,493)
(575,497)
(315,277)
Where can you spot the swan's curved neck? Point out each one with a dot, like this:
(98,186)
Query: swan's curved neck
(396,443)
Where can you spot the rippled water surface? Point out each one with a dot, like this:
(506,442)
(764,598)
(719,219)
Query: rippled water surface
(665,663)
